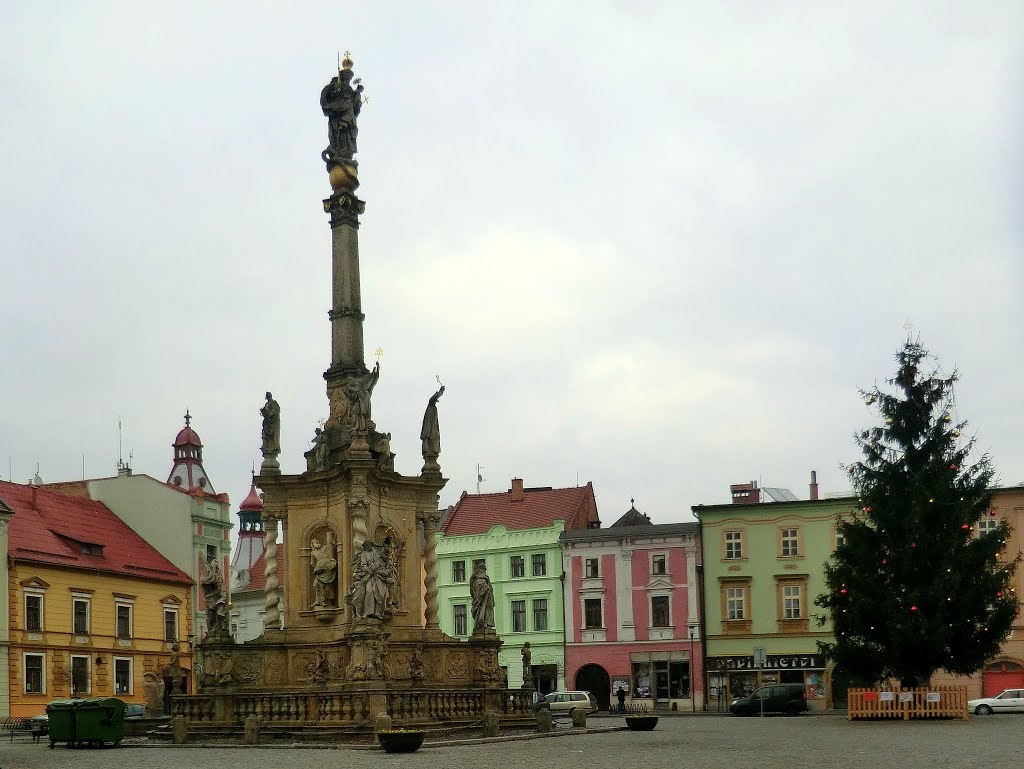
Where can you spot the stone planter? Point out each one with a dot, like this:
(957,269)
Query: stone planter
(641,723)
(400,740)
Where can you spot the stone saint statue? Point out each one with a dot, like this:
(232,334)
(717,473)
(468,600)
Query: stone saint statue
(430,433)
(483,599)
(341,104)
(527,666)
(319,450)
(358,390)
(372,575)
(215,597)
(271,413)
(325,572)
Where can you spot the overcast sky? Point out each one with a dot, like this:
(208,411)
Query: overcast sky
(656,246)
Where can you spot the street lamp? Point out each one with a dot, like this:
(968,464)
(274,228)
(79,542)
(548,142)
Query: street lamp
(693,694)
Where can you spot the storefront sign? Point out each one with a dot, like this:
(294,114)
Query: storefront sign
(772,662)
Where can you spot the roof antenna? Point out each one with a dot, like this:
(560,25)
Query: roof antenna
(479,477)
(119,462)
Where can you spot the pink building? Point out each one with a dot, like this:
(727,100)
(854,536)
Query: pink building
(632,612)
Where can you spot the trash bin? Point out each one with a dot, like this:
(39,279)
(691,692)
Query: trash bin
(87,722)
(100,721)
(60,715)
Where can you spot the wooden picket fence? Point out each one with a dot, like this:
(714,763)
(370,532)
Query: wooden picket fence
(925,702)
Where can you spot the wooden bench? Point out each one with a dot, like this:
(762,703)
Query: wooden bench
(15,725)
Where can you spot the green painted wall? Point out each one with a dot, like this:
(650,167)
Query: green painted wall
(764,566)
(497,548)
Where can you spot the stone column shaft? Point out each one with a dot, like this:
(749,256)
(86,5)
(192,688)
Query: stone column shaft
(430,521)
(346,310)
(272,617)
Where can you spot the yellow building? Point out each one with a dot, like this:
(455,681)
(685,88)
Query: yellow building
(93,607)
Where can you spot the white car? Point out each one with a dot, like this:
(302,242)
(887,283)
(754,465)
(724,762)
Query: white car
(1010,701)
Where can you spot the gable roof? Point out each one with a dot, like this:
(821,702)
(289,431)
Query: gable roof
(632,517)
(257,578)
(527,509)
(78,533)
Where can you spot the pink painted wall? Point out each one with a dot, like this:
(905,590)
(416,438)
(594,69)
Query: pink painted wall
(576,568)
(680,599)
(611,614)
(614,658)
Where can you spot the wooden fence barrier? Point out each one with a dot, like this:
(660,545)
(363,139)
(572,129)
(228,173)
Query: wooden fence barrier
(925,702)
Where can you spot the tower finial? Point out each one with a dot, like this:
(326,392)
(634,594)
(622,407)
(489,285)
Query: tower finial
(188,417)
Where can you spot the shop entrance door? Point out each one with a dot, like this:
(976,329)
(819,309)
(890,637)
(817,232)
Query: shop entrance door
(661,683)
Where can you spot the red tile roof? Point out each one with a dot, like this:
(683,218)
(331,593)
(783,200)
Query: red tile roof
(55,528)
(521,508)
(257,578)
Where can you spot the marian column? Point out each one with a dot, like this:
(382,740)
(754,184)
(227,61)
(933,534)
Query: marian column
(349,383)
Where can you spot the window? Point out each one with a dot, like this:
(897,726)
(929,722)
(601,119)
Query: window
(735,603)
(659,611)
(33,613)
(592,613)
(124,620)
(791,602)
(122,675)
(170,625)
(540,564)
(79,675)
(658,564)
(517,566)
(987,526)
(519,616)
(211,552)
(80,616)
(733,544)
(35,666)
(540,614)
(592,571)
(789,543)
(458,571)
(459,615)
(840,539)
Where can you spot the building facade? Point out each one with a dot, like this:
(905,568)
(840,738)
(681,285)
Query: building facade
(632,612)
(94,609)
(516,535)
(5,615)
(763,568)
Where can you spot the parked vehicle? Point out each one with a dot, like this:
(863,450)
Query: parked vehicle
(567,702)
(790,699)
(1009,701)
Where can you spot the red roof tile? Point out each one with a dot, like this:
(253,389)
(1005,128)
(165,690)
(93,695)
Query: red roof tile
(54,529)
(257,578)
(525,509)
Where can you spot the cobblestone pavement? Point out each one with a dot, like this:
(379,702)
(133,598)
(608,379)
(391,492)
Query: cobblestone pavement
(705,742)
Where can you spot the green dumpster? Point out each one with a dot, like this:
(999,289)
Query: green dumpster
(87,722)
(61,717)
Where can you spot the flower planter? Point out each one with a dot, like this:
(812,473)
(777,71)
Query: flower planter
(641,723)
(400,740)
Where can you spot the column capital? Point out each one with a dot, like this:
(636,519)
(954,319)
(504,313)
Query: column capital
(344,208)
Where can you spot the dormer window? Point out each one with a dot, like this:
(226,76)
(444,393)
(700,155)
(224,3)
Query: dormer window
(91,549)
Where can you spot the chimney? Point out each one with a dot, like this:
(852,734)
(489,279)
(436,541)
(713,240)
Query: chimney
(518,495)
(814,484)
(35,491)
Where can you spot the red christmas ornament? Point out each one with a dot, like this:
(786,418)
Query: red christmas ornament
(885,561)
(952,467)
(993,513)
(913,608)
(867,509)
(965,527)
(913,546)
(843,592)
(999,594)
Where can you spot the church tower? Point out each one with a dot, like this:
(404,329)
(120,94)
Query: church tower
(187,473)
(249,548)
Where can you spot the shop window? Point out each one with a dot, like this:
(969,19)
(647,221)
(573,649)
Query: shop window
(660,611)
(458,571)
(592,618)
(517,566)
(459,615)
(642,680)
(519,616)
(593,571)
(122,675)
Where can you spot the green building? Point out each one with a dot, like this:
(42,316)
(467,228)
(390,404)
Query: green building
(763,568)
(515,533)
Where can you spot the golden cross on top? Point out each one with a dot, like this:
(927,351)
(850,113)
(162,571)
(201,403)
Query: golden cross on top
(379,352)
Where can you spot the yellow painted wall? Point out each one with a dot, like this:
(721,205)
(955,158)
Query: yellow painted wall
(146,648)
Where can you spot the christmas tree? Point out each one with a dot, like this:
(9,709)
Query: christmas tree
(915,585)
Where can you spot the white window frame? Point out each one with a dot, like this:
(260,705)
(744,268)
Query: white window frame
(792,542)
(787,602)
(131,676)
(664,557)
(171,609)
(88,674)
(24,672)
(988,528)
(586,568)
(118,604)
(41,595)
(733,544)
(650,605)
(87,600)
(735,597)
(584,600)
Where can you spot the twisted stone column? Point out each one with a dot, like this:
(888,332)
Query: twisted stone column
(271,598)
(358,509)
(430,521)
